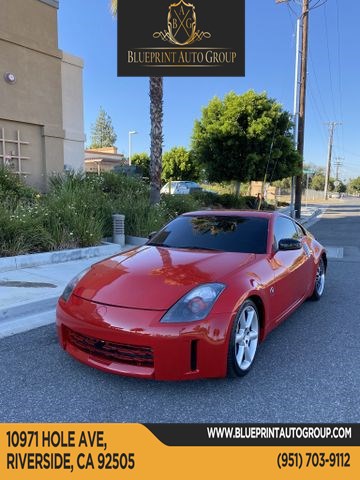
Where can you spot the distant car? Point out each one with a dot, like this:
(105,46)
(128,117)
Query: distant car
(180,187)
(195,301)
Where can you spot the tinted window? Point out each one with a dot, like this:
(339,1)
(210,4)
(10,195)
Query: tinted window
(284,228)
(300,230)
(215,232)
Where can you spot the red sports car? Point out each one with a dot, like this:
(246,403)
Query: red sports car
(195,300)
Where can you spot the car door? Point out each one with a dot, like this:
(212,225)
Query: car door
(292,269)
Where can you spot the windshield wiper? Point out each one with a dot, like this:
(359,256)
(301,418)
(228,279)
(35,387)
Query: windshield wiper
(194,247)
(187,247)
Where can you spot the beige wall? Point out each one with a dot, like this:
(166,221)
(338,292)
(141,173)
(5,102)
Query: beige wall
(72,108)
(33,167)
(40,103)
(257,188)
(32,23)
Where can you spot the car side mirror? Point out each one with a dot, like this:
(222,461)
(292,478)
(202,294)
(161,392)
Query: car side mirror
(151,235)
(289,244)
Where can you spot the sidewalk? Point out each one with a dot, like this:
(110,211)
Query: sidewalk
(308,213)
(28,295)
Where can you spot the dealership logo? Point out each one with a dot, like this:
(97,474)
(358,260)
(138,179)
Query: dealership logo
(181,23)
(181,38)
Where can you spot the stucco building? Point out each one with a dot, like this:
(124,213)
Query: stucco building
(104,159)
(41,93)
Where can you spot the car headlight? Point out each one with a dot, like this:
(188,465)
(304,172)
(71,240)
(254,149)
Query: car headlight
(72,284)
(195,305)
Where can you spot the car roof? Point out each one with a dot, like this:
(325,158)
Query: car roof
(231,213)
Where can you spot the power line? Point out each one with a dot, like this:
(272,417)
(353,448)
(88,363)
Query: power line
(318,4)
(329,62)
(339,69)
(319,94)
(337,165)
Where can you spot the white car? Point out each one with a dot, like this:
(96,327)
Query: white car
(180,187)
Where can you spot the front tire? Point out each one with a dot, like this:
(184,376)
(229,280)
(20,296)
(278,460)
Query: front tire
(319,280)
(244,340)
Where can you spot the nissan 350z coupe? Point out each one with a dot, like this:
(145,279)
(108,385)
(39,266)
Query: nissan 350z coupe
(195,300)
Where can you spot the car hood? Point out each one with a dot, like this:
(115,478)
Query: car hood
(155,278)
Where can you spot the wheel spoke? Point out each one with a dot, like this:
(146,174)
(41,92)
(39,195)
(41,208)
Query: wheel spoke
(239,339)
(250,313)
(253,335)
(320,279)
(247,355)
(240,355)
(242,321)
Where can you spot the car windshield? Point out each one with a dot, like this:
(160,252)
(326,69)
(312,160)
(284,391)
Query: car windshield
(215,232)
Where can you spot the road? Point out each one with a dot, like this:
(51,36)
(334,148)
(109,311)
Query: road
(307,370)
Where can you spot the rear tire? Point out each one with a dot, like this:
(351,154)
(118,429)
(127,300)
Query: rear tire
(319,280)
(244,340)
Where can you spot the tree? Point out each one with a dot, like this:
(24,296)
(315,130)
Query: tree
(314,168)
(341,187)
(318,182)
(156,137)
(284,183)
(245,137)
(102,132)
(156,134)
(142,160)
(179,164)
(354,186)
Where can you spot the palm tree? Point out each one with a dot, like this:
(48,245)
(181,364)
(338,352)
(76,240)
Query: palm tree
(156,135)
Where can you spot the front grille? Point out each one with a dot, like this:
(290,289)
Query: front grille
(117,352)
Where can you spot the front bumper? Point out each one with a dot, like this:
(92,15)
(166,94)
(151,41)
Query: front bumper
(133,342)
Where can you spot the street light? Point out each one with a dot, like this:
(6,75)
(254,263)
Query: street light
(131,132)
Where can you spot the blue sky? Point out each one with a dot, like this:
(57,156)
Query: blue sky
(87,29)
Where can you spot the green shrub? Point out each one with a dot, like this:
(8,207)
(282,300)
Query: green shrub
(129,196)
(174,205)
(75,210)
(22,231)
(12,187)
(71,219)
(229,200)
(206,198)
(68,181)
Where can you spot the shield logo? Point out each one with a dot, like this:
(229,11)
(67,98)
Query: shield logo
(181,23)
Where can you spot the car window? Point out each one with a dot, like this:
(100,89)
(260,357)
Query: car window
(215,232)
(284,228)
(181,187)
(299,230)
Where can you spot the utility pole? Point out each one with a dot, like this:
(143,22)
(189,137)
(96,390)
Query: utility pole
(301,123)
(332,125)
(295,112)
(302,98)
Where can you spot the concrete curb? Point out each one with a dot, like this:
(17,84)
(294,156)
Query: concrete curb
(61,256)
(28,308)
(312,216)
(303,220)
(39,306)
